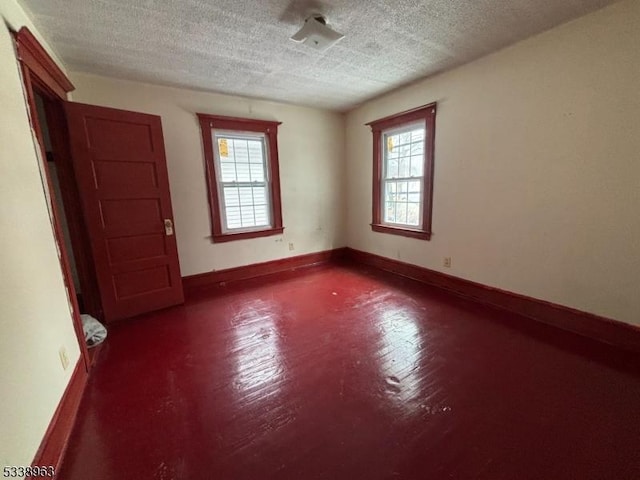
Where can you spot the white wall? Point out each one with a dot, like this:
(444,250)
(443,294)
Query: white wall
(35,320)
(311,154)
(537,167)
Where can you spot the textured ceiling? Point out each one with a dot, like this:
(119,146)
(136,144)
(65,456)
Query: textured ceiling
(242,46)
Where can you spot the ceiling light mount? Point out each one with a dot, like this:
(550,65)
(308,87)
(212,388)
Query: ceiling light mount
(318,18)
(316,33)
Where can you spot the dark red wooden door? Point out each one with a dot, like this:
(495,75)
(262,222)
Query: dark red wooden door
(120,166)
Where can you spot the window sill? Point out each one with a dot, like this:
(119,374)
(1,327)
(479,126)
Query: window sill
(404,232)
(230,237)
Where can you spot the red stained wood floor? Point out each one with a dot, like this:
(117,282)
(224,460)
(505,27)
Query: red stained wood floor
(350,373)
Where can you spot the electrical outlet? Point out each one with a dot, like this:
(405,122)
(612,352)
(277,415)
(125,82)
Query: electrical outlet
(64,358)
(290,246)
(447,262)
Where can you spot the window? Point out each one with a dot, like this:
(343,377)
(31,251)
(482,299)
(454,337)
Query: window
(242,173)
(403,172)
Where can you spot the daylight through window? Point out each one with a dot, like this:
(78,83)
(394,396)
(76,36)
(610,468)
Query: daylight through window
(243,177)
(403,147)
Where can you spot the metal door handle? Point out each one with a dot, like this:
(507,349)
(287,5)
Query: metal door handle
(168,227)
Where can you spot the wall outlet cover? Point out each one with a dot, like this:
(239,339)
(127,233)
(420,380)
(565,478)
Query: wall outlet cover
(64,358)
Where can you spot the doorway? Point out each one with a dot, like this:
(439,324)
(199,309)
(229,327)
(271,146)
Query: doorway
(64,194)
(107,188)
(42,76)
(47,116)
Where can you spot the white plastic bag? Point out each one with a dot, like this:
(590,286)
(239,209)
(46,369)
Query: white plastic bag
(94,331)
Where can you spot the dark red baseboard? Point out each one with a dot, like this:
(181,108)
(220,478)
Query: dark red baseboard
(260,269)
(56,437)
(589,325)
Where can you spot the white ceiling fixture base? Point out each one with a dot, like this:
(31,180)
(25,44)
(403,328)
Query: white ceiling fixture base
(316,34)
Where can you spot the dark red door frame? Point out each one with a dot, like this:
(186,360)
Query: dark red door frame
(39,72)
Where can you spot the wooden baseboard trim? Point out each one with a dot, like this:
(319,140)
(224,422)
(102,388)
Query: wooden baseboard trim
(586,324)
(255,270)
(56,438)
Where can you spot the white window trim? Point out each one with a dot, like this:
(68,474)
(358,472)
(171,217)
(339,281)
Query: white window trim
(218,168)
(383,178)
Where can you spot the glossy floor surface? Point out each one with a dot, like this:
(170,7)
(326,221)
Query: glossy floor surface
(348,373)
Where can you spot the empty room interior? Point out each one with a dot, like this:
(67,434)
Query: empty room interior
(320,239)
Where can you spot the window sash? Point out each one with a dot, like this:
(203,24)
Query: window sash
(266,183)
(385,200)
(385,180)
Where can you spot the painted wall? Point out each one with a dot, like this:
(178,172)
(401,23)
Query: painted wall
(35,320)
(537,167)
(311,154)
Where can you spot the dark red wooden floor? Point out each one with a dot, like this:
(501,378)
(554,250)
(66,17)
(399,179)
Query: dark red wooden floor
(345,373)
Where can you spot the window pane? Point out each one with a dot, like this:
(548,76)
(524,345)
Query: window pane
(404,150)
(228,172)
(390,195)
(257,172)
(262,216)
(390,144)
(222,142)
(415,187)
(243,172)
(255,151)
(417,148)
(246,198)
(231,196)
(233,217)
(417,135)
(403,167)
(417,166)
(389,188)
(260,195)
(405,138)
(413,214)
(392,168)
(247,216)
(401,213)
(223,148)
(389,212)
(241,151)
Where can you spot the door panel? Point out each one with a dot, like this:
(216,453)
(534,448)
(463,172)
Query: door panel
(119,162)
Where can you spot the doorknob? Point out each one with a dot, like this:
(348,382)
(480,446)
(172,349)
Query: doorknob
(168,226)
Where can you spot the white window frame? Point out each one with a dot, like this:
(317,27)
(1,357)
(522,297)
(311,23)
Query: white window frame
(408,127)
(242,135)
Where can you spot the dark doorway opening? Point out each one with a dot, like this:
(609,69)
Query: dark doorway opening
(71,233)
